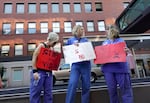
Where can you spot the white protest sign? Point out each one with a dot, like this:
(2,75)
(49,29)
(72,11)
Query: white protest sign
(82,52)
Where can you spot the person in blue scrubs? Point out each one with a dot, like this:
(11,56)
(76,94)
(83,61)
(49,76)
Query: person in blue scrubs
(79,70)
(117,73)
(42,79)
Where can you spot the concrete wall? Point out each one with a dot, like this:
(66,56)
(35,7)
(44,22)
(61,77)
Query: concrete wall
(98,95)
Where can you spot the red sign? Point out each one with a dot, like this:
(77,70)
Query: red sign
(48,59)
(110,53)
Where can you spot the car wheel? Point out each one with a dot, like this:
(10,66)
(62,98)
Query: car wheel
(93,77)
(54,80)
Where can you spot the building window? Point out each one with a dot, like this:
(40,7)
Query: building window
(66,7)
(56,27)
(8,8)
(5,50)
(101,26)
(6,28)
(90,26)
(125,4)
(32,8)
(55,8)
(77,8)
(79,23)
(19,28)
(31,28)
(141,67)
(98,7)
(67,27)
(17,74)
(88,7)
(20,8)
(31,48)
(43,8)
(18,49)
(44,27)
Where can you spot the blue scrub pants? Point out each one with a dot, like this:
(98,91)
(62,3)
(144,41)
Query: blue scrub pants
(123,80)
(77,71)
(45,84)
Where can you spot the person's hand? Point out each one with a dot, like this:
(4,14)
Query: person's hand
(127,50)
(36,75)
(76,44)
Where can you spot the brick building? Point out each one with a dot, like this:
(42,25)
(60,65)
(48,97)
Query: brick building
(26,23)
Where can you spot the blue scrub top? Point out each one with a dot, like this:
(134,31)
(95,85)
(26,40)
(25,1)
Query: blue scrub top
(118,67)
(74,40)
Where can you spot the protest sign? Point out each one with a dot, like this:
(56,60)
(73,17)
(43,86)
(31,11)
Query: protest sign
(77,53)
(48,59)
(110,53)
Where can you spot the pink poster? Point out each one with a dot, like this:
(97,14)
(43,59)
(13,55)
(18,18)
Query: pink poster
(110,53)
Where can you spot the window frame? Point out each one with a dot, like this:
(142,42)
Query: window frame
(56,27)
(66,8)
(19,28)
(31,48)
(18,50)
(32,10)
(44,9)
(79,23)
(15,77)
(100,26)
(54,6)
(98,8)
(8,8)
(31,27)
(77,7)
(90,26)
(88,7)
(5,49)
(7,29)
(44,28)
(67,27)
(18,10)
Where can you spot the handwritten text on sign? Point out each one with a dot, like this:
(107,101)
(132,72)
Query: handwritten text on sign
(82,52)
(48,59)
(110,53)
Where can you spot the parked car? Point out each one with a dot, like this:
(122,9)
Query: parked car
(63,73)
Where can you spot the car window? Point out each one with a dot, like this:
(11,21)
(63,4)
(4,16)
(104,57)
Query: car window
(64,67)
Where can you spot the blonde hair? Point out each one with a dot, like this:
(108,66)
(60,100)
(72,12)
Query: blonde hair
(75,29)
(53,37)
(113,30)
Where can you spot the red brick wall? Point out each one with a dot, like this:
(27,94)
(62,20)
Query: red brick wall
(111,10)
